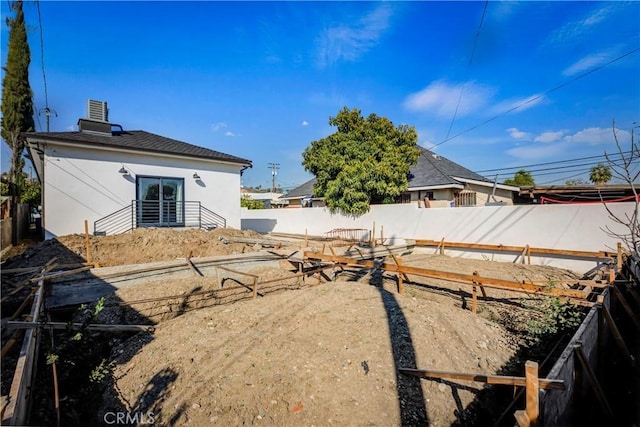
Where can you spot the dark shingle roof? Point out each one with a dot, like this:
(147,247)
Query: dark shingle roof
(140,141)
(433,169)
(304,190)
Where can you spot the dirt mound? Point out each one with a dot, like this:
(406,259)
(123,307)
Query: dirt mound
(138,246)
(317,356)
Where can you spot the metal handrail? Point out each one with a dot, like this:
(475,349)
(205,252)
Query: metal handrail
(145,213)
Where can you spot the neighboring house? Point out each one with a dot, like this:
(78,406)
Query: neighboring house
(302,196)
(268,198)
(434,181)
(119,180)
(571,194)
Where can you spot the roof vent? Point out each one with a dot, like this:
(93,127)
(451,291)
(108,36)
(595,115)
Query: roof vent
(97,110)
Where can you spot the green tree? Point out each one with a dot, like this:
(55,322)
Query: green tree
(249,203)
(522,178)
(17,97)
(30,193)
(365,162)
(575,182)
(600,174)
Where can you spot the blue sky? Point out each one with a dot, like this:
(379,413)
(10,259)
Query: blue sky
(260,79)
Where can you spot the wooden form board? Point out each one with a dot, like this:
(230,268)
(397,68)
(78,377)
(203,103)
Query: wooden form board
(17,407)
(520,249)
(457,277)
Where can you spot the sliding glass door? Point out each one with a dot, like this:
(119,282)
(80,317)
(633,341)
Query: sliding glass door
(160,201)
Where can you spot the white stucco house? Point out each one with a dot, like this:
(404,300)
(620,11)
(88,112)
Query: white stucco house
(119,180)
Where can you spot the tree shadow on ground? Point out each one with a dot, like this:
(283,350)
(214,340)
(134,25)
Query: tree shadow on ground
(411,400)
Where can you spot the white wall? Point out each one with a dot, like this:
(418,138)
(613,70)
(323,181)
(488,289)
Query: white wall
(84,184)
(578,227)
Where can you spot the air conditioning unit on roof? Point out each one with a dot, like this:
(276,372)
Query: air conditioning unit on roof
(97,110)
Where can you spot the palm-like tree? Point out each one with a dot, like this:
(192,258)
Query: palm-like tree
(600,174)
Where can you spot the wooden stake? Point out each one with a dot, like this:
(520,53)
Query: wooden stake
(306,239)
(442,246)
(86,240)
(255,287)
(474,300)
(619,259)
(382,234)
(592,379)
(528,255)
(533,392)
(400,286)
(373,235)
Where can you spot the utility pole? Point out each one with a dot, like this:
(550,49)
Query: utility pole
(274,171)
(47,113)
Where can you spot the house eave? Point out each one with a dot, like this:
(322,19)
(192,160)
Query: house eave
(437,187)
(98,146)
(486,184)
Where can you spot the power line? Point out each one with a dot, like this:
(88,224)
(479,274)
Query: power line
(47,110)
(473,51)
(612,158)
(601,156)
(537,97)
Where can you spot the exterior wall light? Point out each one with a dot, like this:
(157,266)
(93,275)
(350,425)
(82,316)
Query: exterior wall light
(123,171)
(196,176)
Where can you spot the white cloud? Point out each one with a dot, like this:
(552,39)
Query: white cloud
(441,98)
(589,62)
(229,133)
(217,126)
(348,42)
(305,123)
(517,104)
(71,128)
(574,29)
(518,134)
(536,152)
(546,137)
(595,136)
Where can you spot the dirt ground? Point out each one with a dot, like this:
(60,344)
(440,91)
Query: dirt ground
(312,353)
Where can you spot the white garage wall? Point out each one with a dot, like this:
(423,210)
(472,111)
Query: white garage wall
(578,227)
(85,184)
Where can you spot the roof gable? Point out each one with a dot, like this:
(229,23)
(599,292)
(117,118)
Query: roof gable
(434,169)
(138,140)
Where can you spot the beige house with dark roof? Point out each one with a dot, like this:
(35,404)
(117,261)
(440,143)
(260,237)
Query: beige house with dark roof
(434,181)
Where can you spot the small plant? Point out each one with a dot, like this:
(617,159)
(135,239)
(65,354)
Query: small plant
(101,372)
(557,317)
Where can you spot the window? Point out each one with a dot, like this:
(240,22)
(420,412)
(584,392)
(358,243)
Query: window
(403,198)
(465,198)
(156,207)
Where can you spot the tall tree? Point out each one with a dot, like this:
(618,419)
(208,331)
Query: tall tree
(600,174)
(17,97)
(522,178)
(365,162)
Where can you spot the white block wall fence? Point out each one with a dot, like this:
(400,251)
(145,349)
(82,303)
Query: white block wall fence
(576,227)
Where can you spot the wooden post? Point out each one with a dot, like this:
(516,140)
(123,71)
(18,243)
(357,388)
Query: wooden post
(612,276)
(373,235)
(523,254)
(400,286)
(528,255)
(86,240)
(218,279)
(306,239)
(255,287)
(484,293)
(532,391)
(619,259)
(474,300)
(442,246)
(382,234)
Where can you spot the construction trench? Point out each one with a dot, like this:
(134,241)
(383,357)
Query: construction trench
(584,376)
